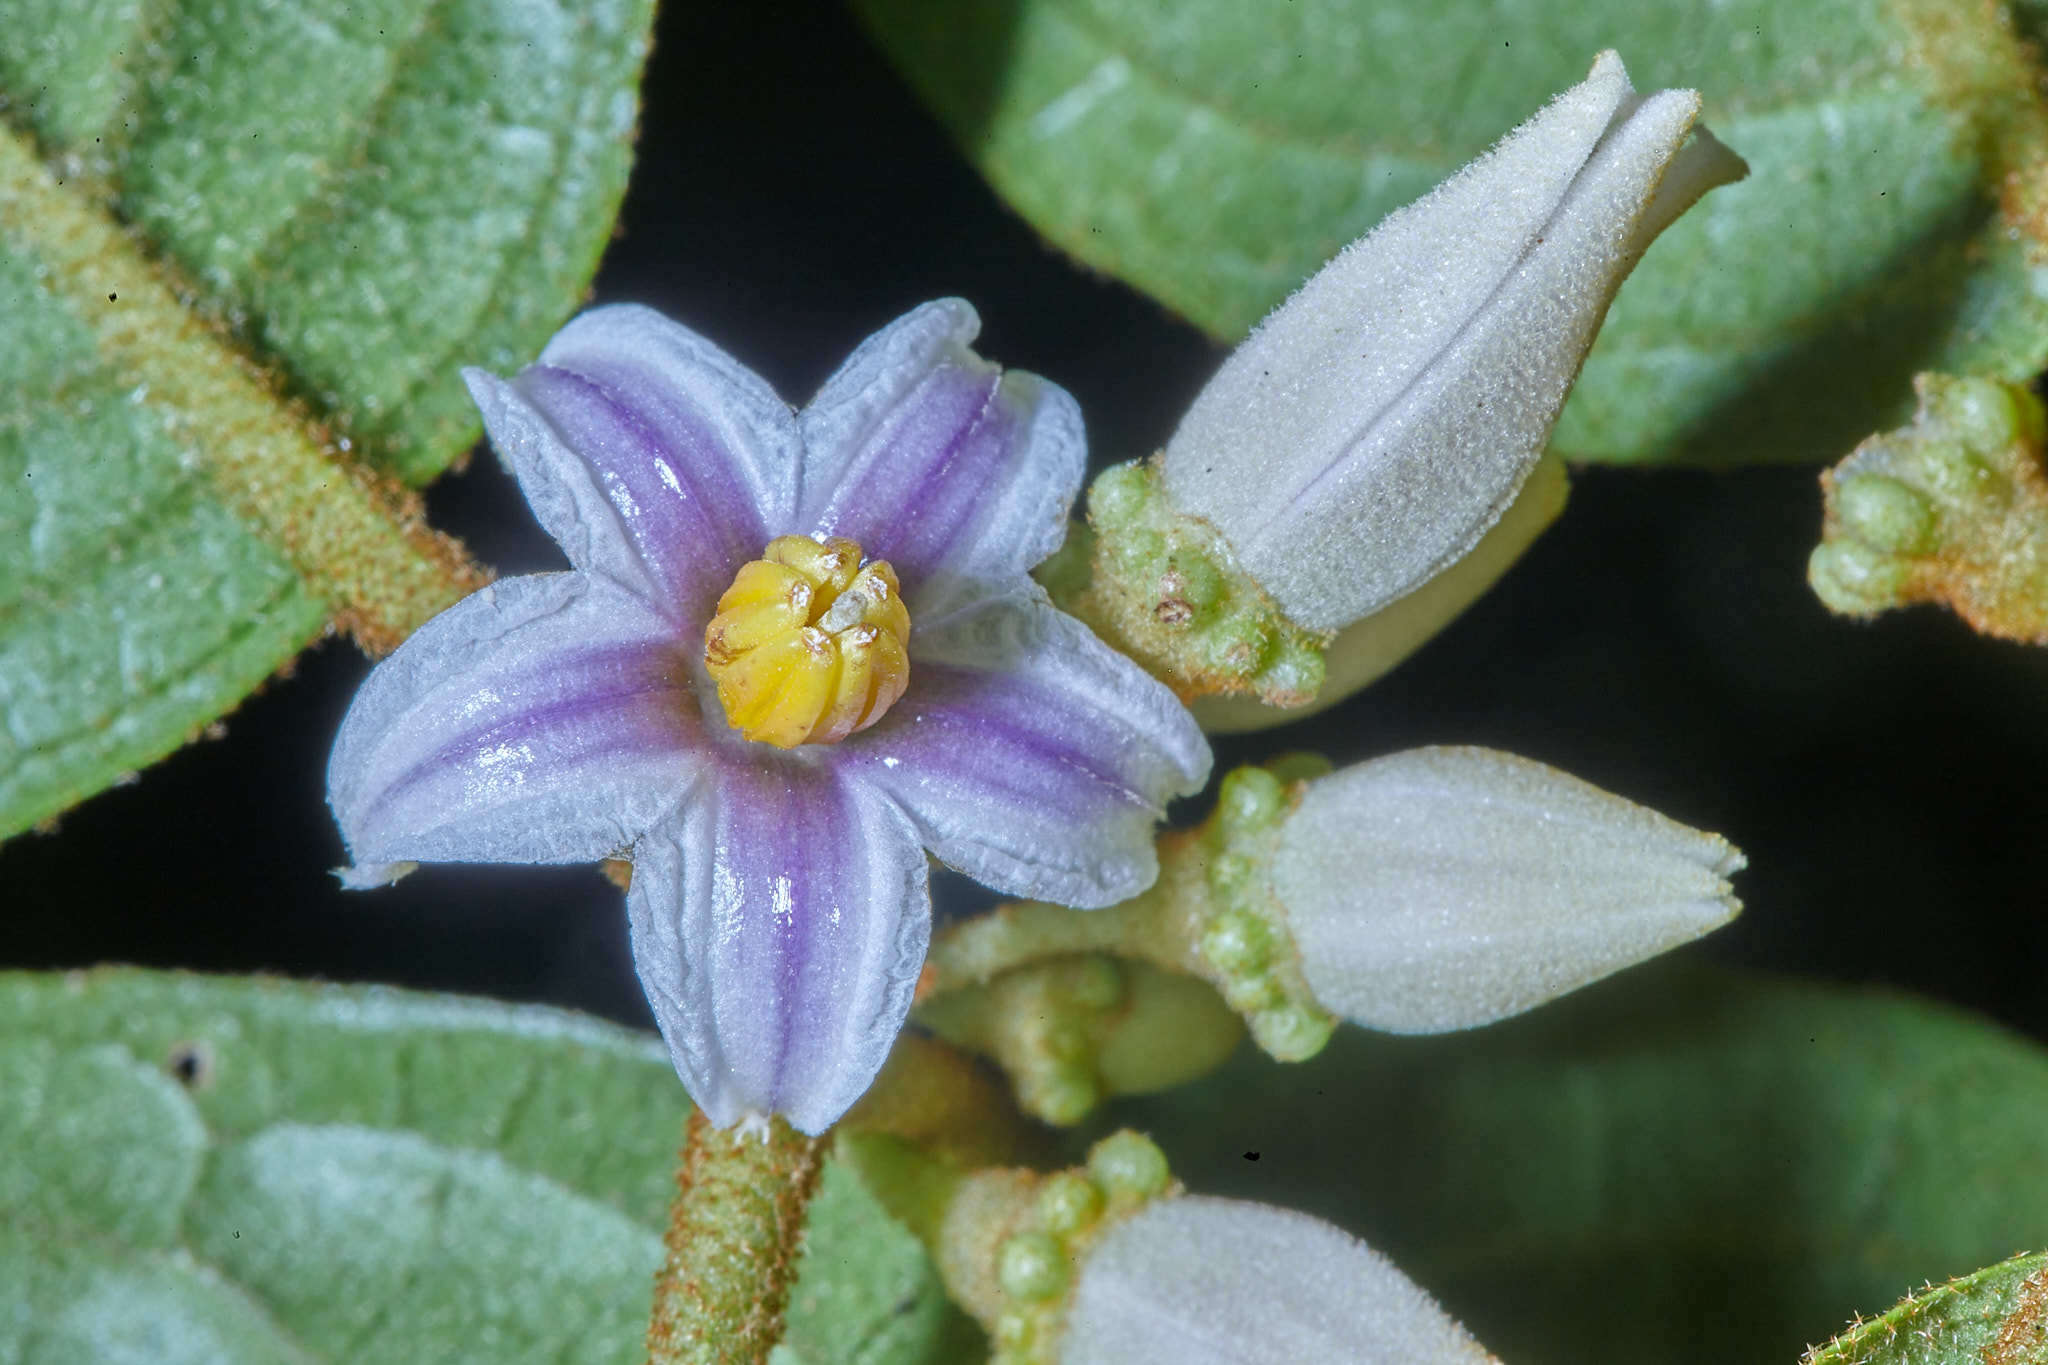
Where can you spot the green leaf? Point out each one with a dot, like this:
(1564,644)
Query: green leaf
(1672,1167)
(866,1294)
(360,199)
(233,1171)
(1994,1316)
(1214,154)
(372,195)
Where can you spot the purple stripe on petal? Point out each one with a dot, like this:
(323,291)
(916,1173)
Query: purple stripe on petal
(779,922)
(544,719)
(579,708)
(938,462)
(687,512)
(1029,743)
(922,477)
(1032,756)
(653,457)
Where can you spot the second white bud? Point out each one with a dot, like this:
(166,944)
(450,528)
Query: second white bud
(1445,888)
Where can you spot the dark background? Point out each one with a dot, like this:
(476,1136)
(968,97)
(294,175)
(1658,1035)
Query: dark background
(1660,641)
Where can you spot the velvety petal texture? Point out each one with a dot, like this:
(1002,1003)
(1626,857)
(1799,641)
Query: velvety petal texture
(542,720)
(939,462)
(779,922)
(655,459)
(1200,1281)
(778,905)
(1032,756)
(1373,428)
(1444,888)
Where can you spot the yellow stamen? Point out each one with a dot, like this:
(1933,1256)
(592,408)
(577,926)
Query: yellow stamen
(807,646)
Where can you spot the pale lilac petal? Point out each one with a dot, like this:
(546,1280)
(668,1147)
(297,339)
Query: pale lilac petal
(939,461)
(779,922)
(1033,757)
(653,457)
(541,720)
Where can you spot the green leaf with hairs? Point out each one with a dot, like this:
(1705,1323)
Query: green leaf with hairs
(1214,154)
(1994,1316)
(244,250)
(229,1171)
(1686,1167)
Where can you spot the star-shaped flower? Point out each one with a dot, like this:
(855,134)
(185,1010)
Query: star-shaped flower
(731,557)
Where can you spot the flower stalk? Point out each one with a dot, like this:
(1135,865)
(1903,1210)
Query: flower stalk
(946,1102)
(731,1244)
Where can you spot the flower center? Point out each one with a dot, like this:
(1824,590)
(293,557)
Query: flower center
(807,645)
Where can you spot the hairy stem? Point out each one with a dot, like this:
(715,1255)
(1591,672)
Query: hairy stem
(732,1241)
(357,539)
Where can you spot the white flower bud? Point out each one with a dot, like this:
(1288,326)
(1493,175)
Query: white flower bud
(1199,1281)
(1444,888)
(1378,422)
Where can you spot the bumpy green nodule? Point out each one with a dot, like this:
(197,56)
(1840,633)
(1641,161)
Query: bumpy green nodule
(1165,588)
(1952,509)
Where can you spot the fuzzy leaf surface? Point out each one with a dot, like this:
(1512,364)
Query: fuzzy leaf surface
(228,1170)
(1994,1316)
(355,200)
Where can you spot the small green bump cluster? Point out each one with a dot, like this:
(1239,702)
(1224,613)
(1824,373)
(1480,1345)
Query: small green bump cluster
(1068,1202)
(1033,1266)
(1951,508)
(1129,1167)
(1036,1263)
(1245,940)
(1055,1066)
(1885,514)
(1166,588)
(1856,580)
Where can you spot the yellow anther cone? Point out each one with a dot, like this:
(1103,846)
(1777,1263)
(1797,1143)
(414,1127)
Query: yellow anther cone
(807,646)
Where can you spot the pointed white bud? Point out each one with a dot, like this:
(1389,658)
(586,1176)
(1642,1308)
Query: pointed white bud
(1200,1281)
(1373,428)
(1444,888)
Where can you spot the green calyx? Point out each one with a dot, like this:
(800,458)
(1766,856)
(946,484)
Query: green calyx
(1243,941)
(1073,1030)
(1045,1228)
(1952,508)
(1164,588)
(1077,1006)
(1011,1244)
